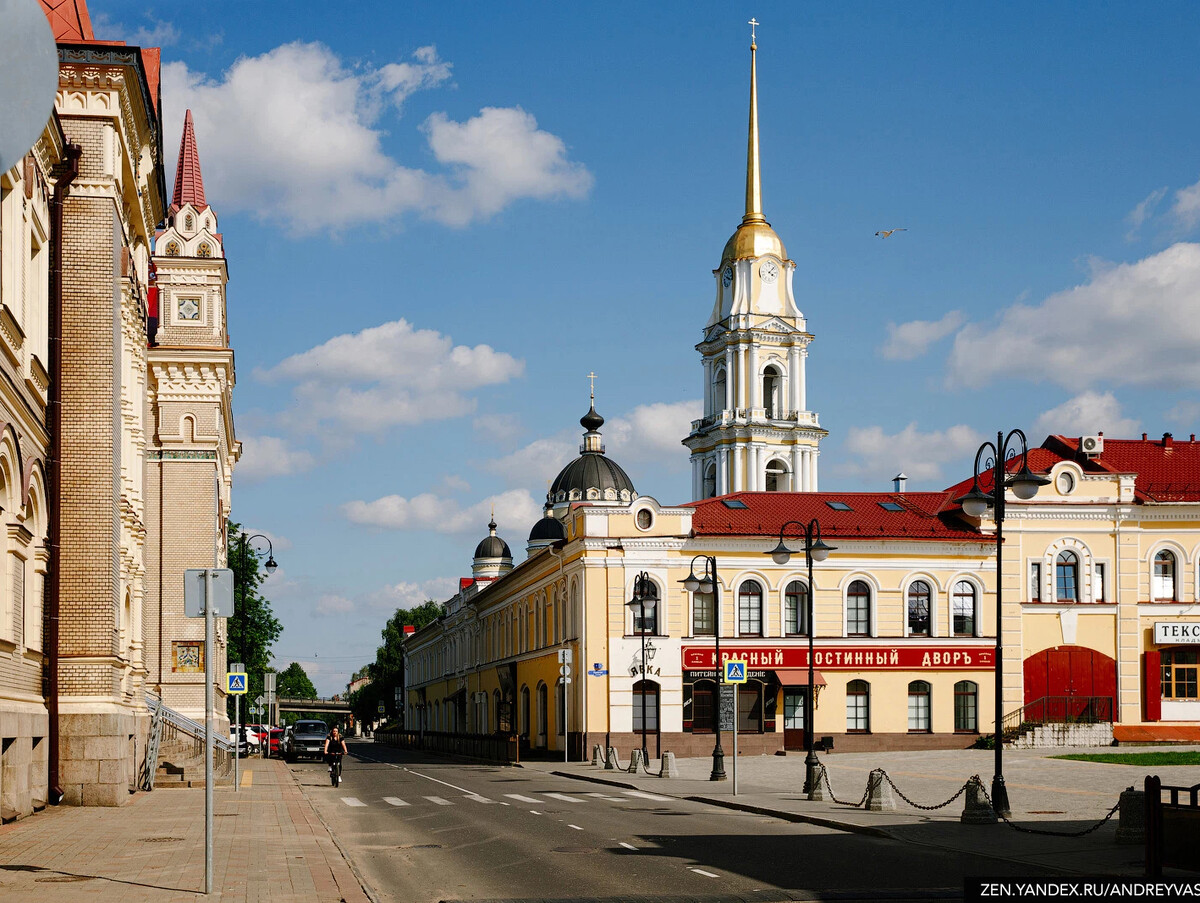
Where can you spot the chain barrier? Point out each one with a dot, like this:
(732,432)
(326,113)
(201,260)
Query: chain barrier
(832,796)
(900,793)
(1024,830)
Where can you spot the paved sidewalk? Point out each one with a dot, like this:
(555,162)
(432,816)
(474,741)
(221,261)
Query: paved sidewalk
(1046,794)
(269,845)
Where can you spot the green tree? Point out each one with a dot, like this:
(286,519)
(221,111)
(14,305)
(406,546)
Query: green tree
(387,671)
(293,683)
(253,627)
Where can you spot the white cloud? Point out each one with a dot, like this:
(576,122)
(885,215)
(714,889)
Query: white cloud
(1084,415)
(515,510)
(873,454)
(1185,412)
(1142,212)
(407,594)
(1132,324)
(269,456)
(327,168)
(332,604)
(388,375)
(910,340)
(1186,209)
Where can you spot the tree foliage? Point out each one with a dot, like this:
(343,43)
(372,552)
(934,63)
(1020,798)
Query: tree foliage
(253,627)
(387,671)
(293,683)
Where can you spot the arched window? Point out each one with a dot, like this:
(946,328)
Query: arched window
(858,609)
(645,690)
(501,722)
(750,609)
(918,707)
(703,621)
(1164,577)
(795,609)
(964,609)
(918,608)
(543,714)
(777,477)
(966,706)
(1066,576)
(858,707)
(645,620)
(523,727)
(719,391)
(710,481)
(770,392)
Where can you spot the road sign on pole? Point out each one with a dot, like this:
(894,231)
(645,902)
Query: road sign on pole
(220,588)
(735,671)
(235,683)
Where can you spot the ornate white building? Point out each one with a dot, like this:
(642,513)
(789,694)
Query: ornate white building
(757,432)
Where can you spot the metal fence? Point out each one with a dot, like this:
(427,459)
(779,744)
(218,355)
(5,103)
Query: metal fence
(1172,828)
(1059,710)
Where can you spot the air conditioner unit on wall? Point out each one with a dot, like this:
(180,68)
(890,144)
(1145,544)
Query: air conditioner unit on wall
(1092,445)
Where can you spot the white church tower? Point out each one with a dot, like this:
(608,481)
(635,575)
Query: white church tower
(757,433)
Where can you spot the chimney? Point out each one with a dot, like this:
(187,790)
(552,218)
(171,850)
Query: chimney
(899,480)
(1168,440)
(1144,437)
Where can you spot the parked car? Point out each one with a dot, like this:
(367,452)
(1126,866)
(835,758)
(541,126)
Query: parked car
(240,738)
(252,736)
(307,739)
(271,749)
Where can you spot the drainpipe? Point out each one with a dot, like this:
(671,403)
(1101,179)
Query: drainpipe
(62,184)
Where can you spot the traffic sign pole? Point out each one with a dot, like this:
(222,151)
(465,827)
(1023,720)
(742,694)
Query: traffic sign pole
(208,731)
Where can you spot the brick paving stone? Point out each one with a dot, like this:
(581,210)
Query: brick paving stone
(268,845)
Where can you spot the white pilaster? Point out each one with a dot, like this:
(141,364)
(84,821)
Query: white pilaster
(730,376)
(797,475)
(816,452)
(801,385)
(708,386)
(755,384)
(722,470)
(794,379)
(739,481)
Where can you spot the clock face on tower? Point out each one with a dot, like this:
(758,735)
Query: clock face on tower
(727,276)
(769,271)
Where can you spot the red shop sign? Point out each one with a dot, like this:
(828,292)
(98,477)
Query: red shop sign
(898,657)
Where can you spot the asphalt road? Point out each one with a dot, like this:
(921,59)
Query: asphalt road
(423,828)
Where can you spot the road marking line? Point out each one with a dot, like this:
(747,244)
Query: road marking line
(394,801)
(478,798)
(565,798)
(462,790)
(534,812)
(602,796)
(247,778)
(352,801)
(702,872)
(439,801)
(647,796)
(628,846)
(576,827)
(521,799)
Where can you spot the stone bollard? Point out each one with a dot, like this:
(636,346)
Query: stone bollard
(610,763)
(1131,824)
(977,811)
(879,793)
(635,760)
(817,791)
(597,759)
(669,769)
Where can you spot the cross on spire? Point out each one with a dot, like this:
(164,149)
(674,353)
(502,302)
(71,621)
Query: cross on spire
(592,379)
(753,23)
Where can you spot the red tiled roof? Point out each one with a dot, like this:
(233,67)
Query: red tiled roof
(69,20)
(464,582)
(1167,469)
(923,516)
(189,185)
(1041,460)
(152,63)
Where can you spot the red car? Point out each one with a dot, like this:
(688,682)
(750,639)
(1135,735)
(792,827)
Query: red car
(276,734)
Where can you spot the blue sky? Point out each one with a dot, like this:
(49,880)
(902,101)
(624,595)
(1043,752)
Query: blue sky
(440,217)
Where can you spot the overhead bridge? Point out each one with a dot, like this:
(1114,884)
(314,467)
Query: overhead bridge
(313,706)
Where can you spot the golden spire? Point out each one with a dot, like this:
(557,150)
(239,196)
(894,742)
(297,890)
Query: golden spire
(754,212)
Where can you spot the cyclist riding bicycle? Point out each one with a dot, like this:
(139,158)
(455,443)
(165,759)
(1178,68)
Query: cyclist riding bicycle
(335,748)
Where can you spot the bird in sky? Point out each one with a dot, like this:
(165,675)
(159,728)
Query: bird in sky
(885,233)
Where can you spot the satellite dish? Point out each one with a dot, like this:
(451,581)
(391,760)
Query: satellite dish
(29,74)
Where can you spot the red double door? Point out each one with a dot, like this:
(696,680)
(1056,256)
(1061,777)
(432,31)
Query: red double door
(1073,681)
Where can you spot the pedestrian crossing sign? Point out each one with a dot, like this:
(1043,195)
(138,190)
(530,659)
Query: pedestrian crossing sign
(235,683)
(735,671)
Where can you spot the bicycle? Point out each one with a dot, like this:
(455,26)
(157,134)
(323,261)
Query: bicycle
(335,768)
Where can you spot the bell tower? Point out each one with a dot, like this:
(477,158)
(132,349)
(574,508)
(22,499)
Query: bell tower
(757,433)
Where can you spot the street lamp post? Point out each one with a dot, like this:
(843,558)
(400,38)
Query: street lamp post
(976,503)
(815,549)
(243,546)
(705,583)
(645,597)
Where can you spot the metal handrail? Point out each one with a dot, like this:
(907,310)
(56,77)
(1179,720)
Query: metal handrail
(1059,710)
(183,723)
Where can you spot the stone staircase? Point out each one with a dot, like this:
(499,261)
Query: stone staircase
(181,764)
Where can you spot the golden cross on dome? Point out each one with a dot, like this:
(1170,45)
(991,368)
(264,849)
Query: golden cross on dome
(592,378)
(753,23)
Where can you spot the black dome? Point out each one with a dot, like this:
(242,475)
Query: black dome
(548,528)
(591,421)
(492,546)
(591,470)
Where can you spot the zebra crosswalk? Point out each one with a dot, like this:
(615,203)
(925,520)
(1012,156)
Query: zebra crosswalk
(541,799)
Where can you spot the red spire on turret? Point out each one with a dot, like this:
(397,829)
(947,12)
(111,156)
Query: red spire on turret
(69,20)
(189,185)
